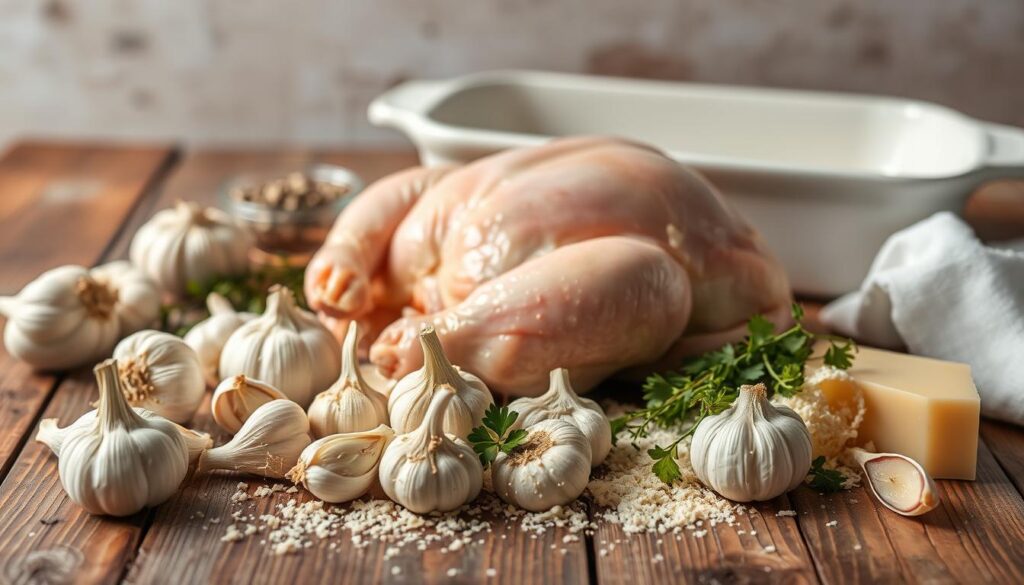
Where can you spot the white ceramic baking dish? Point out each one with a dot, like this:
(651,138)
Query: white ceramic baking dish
(826,177)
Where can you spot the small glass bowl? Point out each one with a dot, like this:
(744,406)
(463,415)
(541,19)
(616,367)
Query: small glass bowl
(291,235)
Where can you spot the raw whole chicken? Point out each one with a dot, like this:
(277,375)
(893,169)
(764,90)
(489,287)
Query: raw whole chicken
(594,254)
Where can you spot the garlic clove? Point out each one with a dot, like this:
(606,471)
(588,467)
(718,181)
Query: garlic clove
(160,373)
(236,398)
(342,467)
(427,470)
(411,397)
(350,404)
(52,436)
(561,402)
(899,482)
(551,467)
(207,338)
(268,444)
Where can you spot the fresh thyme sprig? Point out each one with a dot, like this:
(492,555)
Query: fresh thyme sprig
(708,384)
(494,436)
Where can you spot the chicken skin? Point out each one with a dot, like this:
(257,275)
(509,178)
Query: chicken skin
(594,254)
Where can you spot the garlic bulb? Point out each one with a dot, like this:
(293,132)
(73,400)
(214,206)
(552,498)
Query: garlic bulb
(268,444)
(52,436)
(350,404)
(159,372)
(551,467)
(426,470)
(208,337)
(114,461)
(285,347)
(754,450)
(71,316)
(561,402)
(413,394)
(339,468)
(188,243)
(236,398)
(899,482)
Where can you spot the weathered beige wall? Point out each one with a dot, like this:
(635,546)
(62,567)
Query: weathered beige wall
(264,71)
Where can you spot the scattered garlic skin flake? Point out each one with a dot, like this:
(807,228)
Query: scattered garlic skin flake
(899,482)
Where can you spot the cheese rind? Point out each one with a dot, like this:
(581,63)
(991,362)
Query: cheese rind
(923,408)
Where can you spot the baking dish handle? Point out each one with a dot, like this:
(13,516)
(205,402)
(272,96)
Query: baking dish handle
(1005,157)
(407,102)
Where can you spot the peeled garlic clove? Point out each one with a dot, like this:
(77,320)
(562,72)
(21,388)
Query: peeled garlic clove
(71,316)
(189,243)
(899,482)
(268,444)
(160,373)
(52,436)
(342,467)
(412,395)
(350,404)
(561,402)
(550,468)
(115,461)
(427,470)
(236,398)
(208,337)
(285,347)
(754,450)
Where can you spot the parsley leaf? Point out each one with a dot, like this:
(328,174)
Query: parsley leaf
(825,480)
(708,384)
(494,436)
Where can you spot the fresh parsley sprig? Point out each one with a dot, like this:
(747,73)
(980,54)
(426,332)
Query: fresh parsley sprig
(708,384)
(824,479)
(494,436)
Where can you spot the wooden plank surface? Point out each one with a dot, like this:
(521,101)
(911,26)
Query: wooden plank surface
(61,204)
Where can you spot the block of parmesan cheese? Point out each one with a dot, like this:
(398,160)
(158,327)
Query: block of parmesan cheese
(923,408)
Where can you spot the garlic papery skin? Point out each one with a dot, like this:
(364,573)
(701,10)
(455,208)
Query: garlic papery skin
(551,467)
(413,394)
(72,316)
(339,468)
(236,398)
(268,444)
(754,450)
(115,461)
(350,404)
(189,243)
(427,470)
(899,482)
(561,402)
(160,373)
(52,436)
(208,337)
(285,347)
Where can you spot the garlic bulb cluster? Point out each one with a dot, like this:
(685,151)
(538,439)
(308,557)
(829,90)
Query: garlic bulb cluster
(562,403)
(116,462)
(208,337)
(71,316)
(551,467)
(268,444)
(754,450)
(188,243)
(899,482)
(412,395)
(160,373)
(339,468)
(236,398)
(427,470)
(350,404)
(53,436)
(285,347)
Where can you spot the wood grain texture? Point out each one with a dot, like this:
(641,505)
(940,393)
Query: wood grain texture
(59,204)
(1006,442)
(760,548)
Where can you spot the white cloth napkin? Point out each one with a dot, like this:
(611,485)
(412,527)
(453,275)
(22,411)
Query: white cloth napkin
(935,289)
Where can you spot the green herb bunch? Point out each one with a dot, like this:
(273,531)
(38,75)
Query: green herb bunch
(496,435)
(709,384)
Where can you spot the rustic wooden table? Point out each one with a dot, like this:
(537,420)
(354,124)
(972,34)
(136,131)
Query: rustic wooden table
(75,203)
